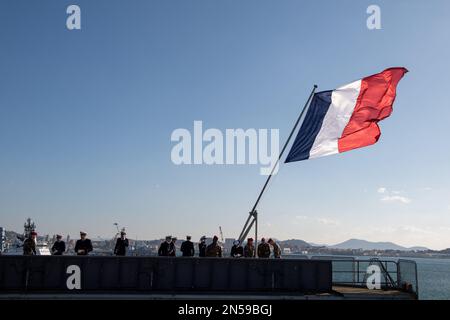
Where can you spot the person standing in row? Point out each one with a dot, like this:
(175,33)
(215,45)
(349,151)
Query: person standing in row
(187,247)
(275,248)
(173,248)
(59,247)
(249,249)
(29,245)
(163,250)
(121,245)
(237,250)
(263,249)
(83,246)
(214,250)
(202,247)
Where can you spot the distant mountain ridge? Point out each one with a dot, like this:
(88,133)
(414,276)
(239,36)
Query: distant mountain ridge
(295,243)
(368,245)
(352,244)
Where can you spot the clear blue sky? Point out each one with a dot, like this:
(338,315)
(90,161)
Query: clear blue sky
(86,117)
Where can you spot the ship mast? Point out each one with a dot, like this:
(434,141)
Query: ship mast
(29,226)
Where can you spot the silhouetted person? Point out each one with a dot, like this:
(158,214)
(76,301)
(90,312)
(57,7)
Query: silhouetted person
(59,247)
(173,248)
(263,249)
(29,245)
(202,247)
(187,247)
(163,250)
(83,246)
(276,249)
(249,249)
(237,250)
(214,250)
(121,245)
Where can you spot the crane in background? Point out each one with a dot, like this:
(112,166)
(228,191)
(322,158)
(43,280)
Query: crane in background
(119,230)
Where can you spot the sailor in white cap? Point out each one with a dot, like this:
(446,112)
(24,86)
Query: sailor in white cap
(59,247)
(83,246)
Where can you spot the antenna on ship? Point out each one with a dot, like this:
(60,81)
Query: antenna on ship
(29,227)
(253,214)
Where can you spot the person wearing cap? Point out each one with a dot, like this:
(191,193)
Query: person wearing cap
(187,247)
(214,250)
(263,249)
(237,250)
(163,250)
(83,246)
(59,247)
(249,249)
(121,245)
(276,249)
(173,247)
(29,245)
(202,247)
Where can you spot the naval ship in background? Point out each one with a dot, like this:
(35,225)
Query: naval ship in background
(135,276)
(15,246)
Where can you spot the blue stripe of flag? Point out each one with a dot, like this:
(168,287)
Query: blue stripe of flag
(310,127)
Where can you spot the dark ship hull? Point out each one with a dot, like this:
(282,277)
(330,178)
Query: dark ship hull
(50,277)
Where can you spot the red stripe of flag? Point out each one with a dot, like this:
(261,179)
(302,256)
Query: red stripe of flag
(374,103)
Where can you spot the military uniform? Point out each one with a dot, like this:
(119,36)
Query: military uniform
(121,247)
(172,249)
(237,251)
(202,249)
(163,250)
(187,248)
(249,251)
(264,250)
(85,245)
(213,250)
(58,248)
(29,247)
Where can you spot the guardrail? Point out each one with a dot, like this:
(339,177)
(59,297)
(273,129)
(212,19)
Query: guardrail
(97,274)
(399,275)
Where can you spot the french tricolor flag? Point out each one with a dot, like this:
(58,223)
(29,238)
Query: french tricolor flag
(346,118)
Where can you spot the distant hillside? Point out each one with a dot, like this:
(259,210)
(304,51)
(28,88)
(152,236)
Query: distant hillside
(312,244)
(295,243)
(368,245)
(419,248)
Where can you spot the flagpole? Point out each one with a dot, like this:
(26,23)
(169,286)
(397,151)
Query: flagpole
(253,213)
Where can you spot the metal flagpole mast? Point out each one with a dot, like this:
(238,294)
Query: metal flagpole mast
(253,213)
